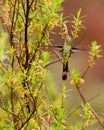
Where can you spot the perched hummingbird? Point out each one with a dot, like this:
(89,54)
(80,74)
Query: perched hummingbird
(66,54)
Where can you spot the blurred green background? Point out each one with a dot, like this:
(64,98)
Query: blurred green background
(94,80)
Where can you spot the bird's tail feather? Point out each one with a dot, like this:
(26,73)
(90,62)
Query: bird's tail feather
(65,70)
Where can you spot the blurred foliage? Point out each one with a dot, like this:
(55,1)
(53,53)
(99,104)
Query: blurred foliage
(28,96)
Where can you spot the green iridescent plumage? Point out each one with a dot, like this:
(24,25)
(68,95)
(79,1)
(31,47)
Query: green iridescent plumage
(66,54)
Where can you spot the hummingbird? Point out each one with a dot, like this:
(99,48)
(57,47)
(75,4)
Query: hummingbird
(66,54)
(67,50)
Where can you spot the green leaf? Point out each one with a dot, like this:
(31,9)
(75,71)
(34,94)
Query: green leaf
(94,53)
(75,74)
(46,57)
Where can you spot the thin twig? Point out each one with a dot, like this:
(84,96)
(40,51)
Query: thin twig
(11,32)
(57,54)
(91,99)
(26,32)
(27,119)
(79,40)
(12,105)
(92,110)
(12,113)
(12,25)
(85,72)
(23,7)
(31,3)
(22,105)
(17,10)
(97,117)
(36,50)
(53,62)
